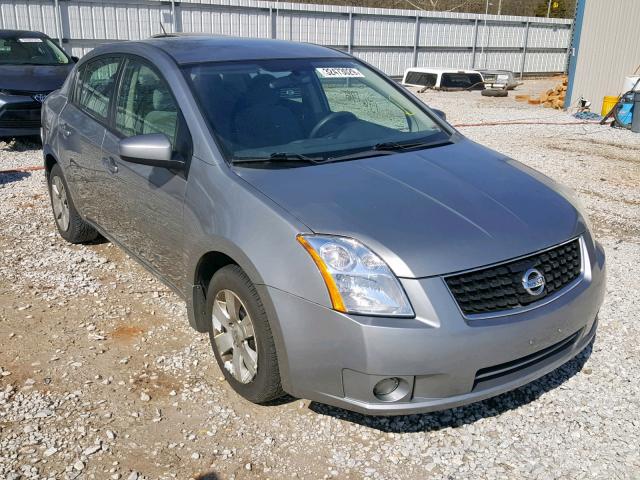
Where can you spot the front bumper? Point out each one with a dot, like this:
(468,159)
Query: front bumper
(444,359)
(19,116)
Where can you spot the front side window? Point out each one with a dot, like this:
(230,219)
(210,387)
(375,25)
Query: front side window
(96,84)
(145,104)
(320,108)
(31,51)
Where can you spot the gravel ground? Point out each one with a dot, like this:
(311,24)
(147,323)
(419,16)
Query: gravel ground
(101,377)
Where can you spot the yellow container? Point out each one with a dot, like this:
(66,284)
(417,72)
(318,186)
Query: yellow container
(607,104)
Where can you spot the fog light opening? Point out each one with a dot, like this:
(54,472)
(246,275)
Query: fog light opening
(390,389)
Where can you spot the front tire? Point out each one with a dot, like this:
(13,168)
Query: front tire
(70,225)
(241,337)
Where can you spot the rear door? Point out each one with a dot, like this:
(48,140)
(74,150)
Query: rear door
(81,130)
(147,214)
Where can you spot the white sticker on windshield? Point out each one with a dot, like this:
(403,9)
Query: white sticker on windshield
(339,72)
(30,40)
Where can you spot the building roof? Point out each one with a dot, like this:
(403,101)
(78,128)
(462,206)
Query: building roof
(203,48)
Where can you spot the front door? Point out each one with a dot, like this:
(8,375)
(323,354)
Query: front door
(147,218)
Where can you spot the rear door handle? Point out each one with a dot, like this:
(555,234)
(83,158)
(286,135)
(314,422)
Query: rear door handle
(110,164)
(66,130)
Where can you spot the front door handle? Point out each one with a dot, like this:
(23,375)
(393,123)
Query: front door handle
(65,130)
(110,164)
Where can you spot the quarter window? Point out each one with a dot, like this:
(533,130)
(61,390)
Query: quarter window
(96,86)
(145,104)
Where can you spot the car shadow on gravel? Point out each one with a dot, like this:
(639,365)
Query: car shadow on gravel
(11,176)
(23,144)
(207,476)
(459,416)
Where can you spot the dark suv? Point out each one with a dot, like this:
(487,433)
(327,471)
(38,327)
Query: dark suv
(31,67)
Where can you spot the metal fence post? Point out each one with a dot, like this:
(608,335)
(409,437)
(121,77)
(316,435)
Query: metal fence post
(416,42)
(173,16)
(524,49)
(350,33)
(65,27)
(475,43)
(274,22)
(56,15)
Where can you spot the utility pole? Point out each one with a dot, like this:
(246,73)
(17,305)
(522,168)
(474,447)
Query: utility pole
(549,9)
(500,7)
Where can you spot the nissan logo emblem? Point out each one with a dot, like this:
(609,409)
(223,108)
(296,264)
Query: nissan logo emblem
(533,282)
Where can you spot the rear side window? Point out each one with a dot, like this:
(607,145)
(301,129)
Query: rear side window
(420,78)
(96,85)
(145,104)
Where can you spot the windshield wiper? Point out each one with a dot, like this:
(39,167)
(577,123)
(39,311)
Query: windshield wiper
(387,148)
(395,146)
(360,154)
(277,157)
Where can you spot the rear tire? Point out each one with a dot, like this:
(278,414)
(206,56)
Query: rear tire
(68,221)
(256,379)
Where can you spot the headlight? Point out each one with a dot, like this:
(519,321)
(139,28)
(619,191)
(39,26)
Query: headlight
(357,279)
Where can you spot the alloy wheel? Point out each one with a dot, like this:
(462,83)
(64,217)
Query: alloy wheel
(60,203)
(234,336)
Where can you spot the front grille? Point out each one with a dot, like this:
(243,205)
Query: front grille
(20,116)
(485,375)
(28,93)
(499,287)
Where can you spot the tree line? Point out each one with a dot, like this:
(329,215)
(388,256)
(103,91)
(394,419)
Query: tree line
(529,8)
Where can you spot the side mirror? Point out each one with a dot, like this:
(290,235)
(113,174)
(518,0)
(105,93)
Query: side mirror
(75,59)
(439,113)
(153,149)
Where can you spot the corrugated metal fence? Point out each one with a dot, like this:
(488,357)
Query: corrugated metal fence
(390,39)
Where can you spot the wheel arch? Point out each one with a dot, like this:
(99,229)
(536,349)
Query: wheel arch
(208,263)
(49,161)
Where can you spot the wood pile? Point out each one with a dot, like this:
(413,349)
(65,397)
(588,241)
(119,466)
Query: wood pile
(552,98)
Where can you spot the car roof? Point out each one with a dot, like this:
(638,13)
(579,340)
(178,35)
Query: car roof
(21,33)
(198,48)
(482,70)
(437,70)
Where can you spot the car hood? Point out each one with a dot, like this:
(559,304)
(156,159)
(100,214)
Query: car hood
(428,212)
(33,78)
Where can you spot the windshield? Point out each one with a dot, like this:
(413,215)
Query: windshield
(31,51)
(316,108)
